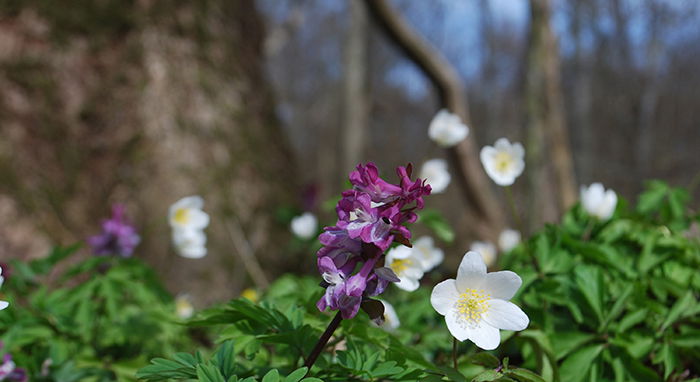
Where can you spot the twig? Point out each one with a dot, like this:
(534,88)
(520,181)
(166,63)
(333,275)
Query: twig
(454,352)
(246,253)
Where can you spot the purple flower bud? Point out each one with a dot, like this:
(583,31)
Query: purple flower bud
(118,236)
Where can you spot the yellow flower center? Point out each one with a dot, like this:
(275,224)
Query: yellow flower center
(503,161)
(399,266)
(182,215)
(471,305)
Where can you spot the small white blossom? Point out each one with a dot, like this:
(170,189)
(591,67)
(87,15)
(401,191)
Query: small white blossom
(188,221)
(446,129)
(305,225)
(503,161)
(597,201)
(190,243)
(391,319)
(487,250)
(436,174)
(187,213)
(427,253)
(508,239)
(406,266)
(3,304)
(183,306)
(476,306)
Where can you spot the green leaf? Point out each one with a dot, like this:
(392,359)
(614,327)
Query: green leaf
(485,359)
(652,198)
(682,305)
(564,343)
(297,375)
(487,375)
(576,366)
(619,305)
(632,319)
(524,375)
(209,373)
(590,282)
(224,359)
(272,376)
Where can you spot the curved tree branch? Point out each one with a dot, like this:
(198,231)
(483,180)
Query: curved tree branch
(464,156)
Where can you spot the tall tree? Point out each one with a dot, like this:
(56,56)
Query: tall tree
(143,102)
(548,142)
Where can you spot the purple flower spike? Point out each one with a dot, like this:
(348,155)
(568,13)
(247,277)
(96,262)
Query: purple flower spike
(118,236)
(371,216)
(10,372)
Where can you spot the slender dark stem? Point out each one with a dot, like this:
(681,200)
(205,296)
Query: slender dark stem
(454,352)
(323,340)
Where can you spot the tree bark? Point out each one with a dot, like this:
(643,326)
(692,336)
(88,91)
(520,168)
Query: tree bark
(143,103)
(549,138)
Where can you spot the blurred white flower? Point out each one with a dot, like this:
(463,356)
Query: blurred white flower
(190,243)
(187,213)
(425,251)
(487,250)
(597,201)
(188,221)
(476,306)
(446,129)
(183,306)
(508,239)
(305,225)
(436,174)
(391,319)
(3,304)
(503,161)
(406,266)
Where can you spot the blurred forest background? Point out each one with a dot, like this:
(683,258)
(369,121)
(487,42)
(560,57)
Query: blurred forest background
(264,106)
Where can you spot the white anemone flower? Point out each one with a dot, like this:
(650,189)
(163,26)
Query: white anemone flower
(406,266)
(487,250)
(391,319)
(508,239)
(446,129)
(425,251)
(476,305)
(503,161)
(190,243)
(435,172)
(305,225)
(597,201)
(183,306)
(3,304)
(187,213)
(188,222)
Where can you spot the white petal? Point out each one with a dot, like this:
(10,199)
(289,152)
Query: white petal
(4,304)
(502,285)
(487,156)
(502,144)
(409,284)
(194,201)
(518,150)
(399,252)
(198,219)
(444,296)
(192,252)
(471,271)
(505,315)
(456,328)
(485,336)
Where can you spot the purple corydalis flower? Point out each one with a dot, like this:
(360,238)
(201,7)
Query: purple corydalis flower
(9,371)
(371,216)
(118,236)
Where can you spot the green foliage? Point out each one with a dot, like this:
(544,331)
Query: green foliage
(614,300)
(99,319)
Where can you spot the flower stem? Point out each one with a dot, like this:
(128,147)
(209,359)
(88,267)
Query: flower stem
(454,352)
(323,340)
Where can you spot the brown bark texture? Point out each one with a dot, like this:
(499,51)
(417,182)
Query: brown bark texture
(140,102)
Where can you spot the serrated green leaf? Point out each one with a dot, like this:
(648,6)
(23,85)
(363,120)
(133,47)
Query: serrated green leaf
(576,366)
(487,375)
(524,375)
(297,375)
(272,376)
(485,359)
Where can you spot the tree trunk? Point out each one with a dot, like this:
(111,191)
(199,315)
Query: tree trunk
(549,145)
(142,102)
